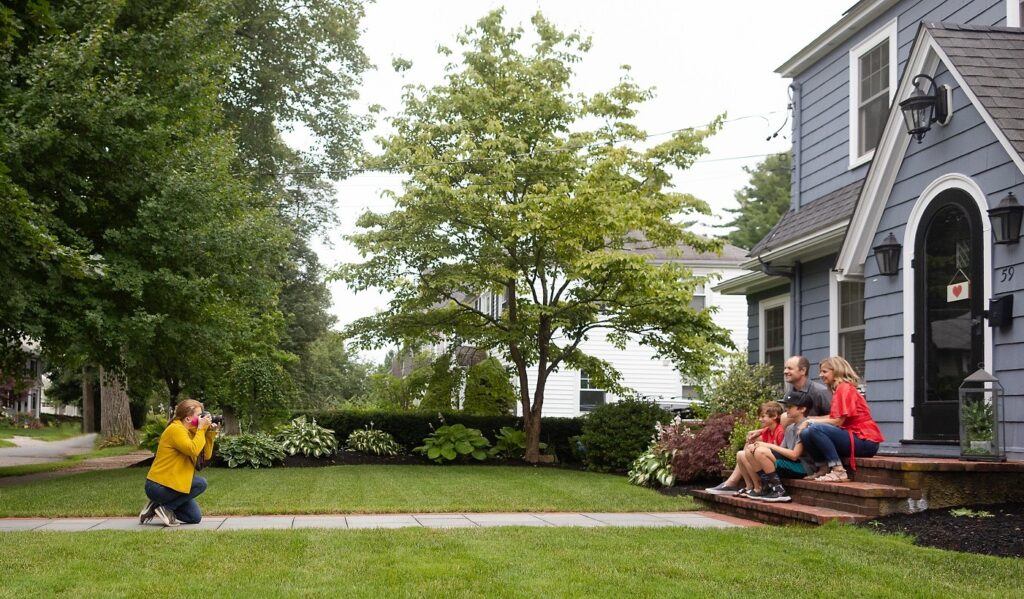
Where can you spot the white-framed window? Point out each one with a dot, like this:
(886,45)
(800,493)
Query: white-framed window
(773,325)
(699,301)
(590,397)
(872,89)
(846,321)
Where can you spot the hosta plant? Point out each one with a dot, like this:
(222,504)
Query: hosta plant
(653,468)
(511,443)
(151,432)
(371,440)
(249,450)
(307,437)
(449,443)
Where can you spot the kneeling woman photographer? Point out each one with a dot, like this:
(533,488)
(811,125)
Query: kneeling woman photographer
(172,484)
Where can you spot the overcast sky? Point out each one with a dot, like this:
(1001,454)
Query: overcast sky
(703,58)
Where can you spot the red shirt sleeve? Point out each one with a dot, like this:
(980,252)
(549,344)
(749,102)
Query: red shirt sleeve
(844,401)
(773,436)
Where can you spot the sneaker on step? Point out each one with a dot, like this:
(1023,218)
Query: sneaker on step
(147,512)
(166,516)
(755,494)
(775,494)
(723,489)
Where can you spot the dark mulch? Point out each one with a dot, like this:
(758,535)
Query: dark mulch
(351,458)
(1001,534)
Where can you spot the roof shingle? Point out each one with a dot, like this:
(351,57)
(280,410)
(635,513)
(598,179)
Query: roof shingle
(826,210)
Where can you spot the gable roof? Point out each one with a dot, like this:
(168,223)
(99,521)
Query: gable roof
(989,53)
(826,210)
(991,60)
(730,255)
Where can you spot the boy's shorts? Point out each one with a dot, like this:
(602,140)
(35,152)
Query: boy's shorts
(788,468)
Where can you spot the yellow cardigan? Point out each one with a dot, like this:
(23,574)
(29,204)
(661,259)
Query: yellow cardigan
(175,461)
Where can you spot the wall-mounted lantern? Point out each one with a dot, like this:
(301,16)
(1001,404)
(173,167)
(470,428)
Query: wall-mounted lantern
(981,418)
(1006,219)
(922,109)
(887,255)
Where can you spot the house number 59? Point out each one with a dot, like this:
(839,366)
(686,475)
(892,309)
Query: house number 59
(1006,274)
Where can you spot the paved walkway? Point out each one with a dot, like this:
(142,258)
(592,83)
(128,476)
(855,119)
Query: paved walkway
(34,451)
(363,521)
(104,463)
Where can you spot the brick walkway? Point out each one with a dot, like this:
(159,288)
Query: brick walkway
(364,521)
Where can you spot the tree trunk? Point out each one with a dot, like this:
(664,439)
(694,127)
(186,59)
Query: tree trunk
(231,426)
(115,417)
(531,421)
(88,403)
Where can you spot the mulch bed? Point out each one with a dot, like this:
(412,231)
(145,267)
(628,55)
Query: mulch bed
(1001,534)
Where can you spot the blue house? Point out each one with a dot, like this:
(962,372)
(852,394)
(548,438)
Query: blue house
(864,190)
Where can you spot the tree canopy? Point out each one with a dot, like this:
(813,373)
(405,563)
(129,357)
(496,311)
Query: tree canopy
(509,193)
(762,202)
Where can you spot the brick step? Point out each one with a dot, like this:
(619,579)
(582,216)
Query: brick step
(852,488)
(775,513)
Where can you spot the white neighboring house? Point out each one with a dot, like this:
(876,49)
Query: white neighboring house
(569,392)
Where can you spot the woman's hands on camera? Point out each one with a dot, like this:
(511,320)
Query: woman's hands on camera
(205,422)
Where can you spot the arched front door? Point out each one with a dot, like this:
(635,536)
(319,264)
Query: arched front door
(949,332)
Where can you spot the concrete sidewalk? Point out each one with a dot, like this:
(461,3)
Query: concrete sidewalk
(364,521)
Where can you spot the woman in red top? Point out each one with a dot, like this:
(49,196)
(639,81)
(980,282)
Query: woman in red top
(848,430)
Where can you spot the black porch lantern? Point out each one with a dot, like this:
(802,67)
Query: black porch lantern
(922,109)
(887,255)
(1006,219)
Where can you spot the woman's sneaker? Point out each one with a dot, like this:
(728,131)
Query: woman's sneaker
(166,516)
(723,489)
(775,494)
(147,512)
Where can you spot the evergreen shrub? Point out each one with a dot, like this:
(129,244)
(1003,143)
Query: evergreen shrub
(615,434)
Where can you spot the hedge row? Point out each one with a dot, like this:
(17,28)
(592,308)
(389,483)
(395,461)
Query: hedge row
(410,428)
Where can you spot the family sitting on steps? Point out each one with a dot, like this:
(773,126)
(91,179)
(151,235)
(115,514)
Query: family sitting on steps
(808,439)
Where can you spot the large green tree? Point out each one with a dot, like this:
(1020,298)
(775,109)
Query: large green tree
(508,191)
(762,202)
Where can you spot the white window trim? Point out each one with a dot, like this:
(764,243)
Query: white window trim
(888,31)
(1013,16)
(768,304)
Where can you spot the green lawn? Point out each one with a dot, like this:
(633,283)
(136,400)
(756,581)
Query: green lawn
(6,444)
(348,489)
(833,561)
(23,469)
(65,430)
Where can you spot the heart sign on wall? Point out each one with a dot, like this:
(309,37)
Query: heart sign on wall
(958,291)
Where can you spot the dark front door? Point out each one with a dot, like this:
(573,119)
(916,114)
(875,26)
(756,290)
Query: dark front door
(949,331)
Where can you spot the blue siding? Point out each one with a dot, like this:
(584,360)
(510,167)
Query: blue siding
(814,311)
(966,146)
(823,103)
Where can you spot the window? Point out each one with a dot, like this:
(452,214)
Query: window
(872,88)
(698,302)
(774,328)
(590,397)
(851,324)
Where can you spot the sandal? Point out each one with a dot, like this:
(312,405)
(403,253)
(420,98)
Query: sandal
(818,473)
(836,476)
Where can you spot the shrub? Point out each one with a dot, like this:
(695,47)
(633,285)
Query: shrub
(653,468)
(27,420)
(307,437)
(615,434)
(113,441)
(488,390)
(511,443)
(449,443)
(741,387)
(371,440)
(250,450)
(443,386)
(151,431)
(743,424)
(410,427)
(697,456)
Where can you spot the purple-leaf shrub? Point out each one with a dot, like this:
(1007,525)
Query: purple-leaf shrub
(697,453)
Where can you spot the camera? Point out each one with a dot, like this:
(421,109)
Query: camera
(215,419)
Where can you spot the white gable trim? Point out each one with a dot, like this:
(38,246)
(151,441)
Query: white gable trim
(884,168)
(936,187)
(1013,16)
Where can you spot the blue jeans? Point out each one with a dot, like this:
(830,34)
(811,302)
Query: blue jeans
(184,505)
(828,443)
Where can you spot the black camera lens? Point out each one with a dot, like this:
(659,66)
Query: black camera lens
(218,419)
